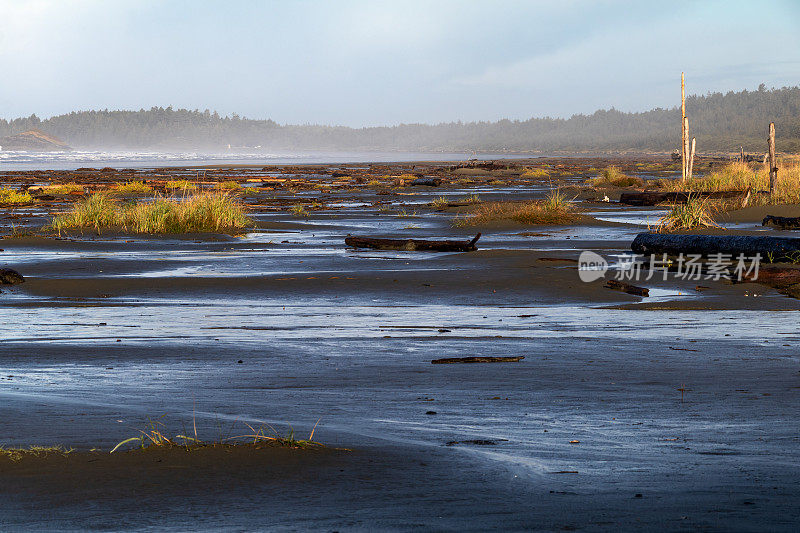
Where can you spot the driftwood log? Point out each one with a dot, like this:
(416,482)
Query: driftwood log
(412,245)
(454,360)
(772,248)
(654,198)
(781,222)
(626,287)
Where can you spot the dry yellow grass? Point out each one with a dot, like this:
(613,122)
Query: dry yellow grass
(553,210)
(534,173)
(14,197)
(744,176)
(132,187)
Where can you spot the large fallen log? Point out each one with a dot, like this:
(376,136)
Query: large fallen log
(654,198)
(773,249)
(412,245)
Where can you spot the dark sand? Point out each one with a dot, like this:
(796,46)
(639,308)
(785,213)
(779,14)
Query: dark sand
(685,404)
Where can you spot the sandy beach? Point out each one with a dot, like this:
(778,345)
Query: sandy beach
(674,411)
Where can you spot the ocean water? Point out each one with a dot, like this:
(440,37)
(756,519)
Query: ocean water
(23,160)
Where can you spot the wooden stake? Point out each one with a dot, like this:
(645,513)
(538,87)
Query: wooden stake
(773,166)
(683,128)
(741,154)
(691,159)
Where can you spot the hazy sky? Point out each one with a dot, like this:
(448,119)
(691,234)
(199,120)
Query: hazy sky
(370,62)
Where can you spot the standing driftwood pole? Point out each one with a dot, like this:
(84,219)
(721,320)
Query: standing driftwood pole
(686,147)
(773,166)
(683,128)
(691,159)
(741,154)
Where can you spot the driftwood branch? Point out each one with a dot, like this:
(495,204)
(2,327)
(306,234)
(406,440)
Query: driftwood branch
(626,287)
(781,222)
(412,245)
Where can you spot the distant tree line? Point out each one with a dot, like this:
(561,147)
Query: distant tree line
(721,122)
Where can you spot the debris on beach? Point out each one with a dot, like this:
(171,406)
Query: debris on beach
(411,245)
(10,277)
(454,360)
(627,288)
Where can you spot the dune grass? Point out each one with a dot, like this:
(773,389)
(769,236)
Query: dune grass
(155,436)
(209,212)
(132,187)
(62,188)
(14,197)
(553,210)
(17,454)
(183,185)
(743,176)
(695,213)
(612,176)
(534,173)
(230,185)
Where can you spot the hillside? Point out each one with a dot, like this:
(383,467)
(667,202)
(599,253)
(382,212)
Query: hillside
(721,122)
(32,141)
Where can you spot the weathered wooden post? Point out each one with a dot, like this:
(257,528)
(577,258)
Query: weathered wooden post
(773,166)
(741,154)
(691,159)
(683,128)
(686,146)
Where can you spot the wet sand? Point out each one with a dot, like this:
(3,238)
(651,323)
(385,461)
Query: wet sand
(684,403)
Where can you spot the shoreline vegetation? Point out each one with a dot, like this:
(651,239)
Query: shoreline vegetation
(200,213)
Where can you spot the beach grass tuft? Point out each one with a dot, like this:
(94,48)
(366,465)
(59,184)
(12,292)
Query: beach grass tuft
(695,213)
(208,212)
(612,176)
(14,197)
(132,187)
(182,185)
(553,210)
(63,188)
(17,454)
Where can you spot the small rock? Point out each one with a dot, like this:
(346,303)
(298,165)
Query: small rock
(240,361)
(430,412)
(10,277)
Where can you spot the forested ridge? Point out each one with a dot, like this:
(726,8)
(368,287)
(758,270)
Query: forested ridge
(721,122)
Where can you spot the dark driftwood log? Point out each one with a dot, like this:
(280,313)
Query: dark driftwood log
(771,248)
(653,198)
(453,360)
(10,277)
(627,287)
(429,182)
(412,245)
(781,222)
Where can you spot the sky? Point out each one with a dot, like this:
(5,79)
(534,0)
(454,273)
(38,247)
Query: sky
(373,62)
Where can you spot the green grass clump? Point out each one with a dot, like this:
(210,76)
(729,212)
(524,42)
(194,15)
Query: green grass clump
(695,213)
(14,197)
(17,454)
(553,210)
(298,210)
(211,212)
(183,185)
(440,203)
(612,176)
(62,188)
(230,185)
(132,187)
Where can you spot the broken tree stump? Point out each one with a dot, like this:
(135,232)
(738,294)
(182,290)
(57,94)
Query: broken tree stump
(455,360)
(412,245)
